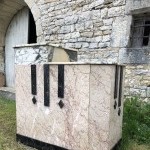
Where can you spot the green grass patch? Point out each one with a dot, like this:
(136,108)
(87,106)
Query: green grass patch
(136,126)
(8,126)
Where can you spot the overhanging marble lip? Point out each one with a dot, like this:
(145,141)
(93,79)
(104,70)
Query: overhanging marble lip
(45,44)
(78,63)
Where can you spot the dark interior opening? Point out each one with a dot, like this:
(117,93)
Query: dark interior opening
(32,30)
(146,33)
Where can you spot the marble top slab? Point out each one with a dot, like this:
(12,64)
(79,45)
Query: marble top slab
(77,63)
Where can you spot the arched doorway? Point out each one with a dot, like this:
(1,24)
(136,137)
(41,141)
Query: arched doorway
(9,8)
(21,30)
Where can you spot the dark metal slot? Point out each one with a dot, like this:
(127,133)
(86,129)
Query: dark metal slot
(116,83)
(33,80)
(120,86)
(46,86)
(61,81)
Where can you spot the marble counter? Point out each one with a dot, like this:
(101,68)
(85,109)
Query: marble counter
(43,53)
(74,106)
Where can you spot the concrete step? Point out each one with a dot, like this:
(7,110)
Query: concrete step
(7,92)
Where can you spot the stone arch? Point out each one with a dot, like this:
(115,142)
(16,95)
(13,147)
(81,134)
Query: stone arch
(8,9)
(36,14)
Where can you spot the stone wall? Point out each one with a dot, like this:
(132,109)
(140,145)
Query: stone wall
(98,29)
(137,81)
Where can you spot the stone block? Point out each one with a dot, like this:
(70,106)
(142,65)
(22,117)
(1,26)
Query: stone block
(137,6)
(85,45)
(116,11)
(119,2)
(71,19)
(65,29)
(93,45)
(104,12)
(120,31)
(134,56)
(85,16)
(86,34)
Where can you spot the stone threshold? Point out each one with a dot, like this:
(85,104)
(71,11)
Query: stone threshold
(7,93)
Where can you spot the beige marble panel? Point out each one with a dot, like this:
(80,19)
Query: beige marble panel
(23,99)
(77,76)
(65,127)
(101,79)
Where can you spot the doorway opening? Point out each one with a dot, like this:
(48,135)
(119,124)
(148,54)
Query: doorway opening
(21,30)
(32,30)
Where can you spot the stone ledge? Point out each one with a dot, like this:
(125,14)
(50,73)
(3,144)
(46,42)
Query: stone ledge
(134,55)
(137,6)
(8,93)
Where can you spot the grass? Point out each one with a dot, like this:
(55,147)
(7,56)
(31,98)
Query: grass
(8,126)
(136,126)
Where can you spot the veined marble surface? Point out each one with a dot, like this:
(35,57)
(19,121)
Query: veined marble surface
(87,121)
(43,53)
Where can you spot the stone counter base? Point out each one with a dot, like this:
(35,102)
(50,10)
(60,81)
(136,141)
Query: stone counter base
(74,106)
(44,146)
(37,144)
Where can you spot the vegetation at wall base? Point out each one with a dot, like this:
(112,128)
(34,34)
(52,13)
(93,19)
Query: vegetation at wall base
(8,126)
(136,126)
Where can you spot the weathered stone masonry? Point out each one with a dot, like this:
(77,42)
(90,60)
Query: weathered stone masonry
(99,30)
(93,27)
(8,9)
